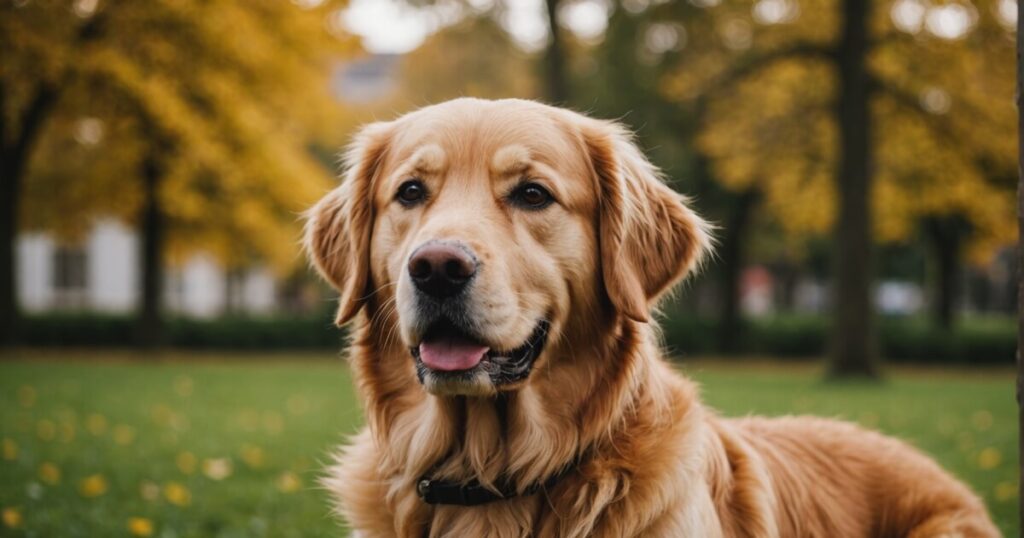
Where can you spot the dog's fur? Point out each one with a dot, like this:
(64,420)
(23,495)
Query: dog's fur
(652,461)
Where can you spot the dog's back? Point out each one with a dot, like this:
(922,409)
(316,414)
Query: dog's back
(833,478)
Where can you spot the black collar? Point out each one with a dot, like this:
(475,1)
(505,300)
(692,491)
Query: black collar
(472,493)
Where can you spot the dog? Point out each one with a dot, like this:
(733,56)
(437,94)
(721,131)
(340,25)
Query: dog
(500,262)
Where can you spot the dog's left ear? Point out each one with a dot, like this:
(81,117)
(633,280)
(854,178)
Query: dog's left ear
(338,227)
(648,238)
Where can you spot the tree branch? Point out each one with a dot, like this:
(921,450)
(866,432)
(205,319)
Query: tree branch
(752,65)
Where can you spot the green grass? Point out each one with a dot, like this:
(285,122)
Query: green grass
(226,446)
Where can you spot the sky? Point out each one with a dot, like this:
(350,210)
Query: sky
(391,26)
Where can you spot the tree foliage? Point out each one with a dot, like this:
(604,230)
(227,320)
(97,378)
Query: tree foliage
(228,96)
(942,109)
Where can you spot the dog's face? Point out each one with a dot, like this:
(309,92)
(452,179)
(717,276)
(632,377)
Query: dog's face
(485,233)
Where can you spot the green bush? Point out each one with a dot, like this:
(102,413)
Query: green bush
(271,332)
(972,341)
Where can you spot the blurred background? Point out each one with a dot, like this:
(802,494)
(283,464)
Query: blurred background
(169,360)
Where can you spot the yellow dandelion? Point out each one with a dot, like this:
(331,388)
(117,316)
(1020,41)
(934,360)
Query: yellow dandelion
(183,386)
(27,396)
(49,473)
(1006,491)
(288,482)
(186,462)
(177,494)
(12,517)
(46,429)
(149,490)
(982,420)
(124,434)
(96,424)
(253,456)
(217,468)
(10,449)
(989,458)
(92,486)
(140,526)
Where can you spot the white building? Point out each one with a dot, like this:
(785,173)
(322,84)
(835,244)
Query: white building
(101,274)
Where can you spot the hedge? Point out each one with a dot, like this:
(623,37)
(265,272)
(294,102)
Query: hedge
(270,333)
(972,341)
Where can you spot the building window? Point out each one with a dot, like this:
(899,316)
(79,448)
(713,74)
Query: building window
(69,277)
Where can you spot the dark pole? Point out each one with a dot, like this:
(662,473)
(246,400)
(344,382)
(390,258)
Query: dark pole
(1020,264)
(554,59)
(14,157)
(149,330)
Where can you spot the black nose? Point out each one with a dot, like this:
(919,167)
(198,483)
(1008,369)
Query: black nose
(441,269)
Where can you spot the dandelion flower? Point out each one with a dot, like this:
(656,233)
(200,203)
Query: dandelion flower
(989,458)
(49,473)
(10,449)
(92,486)
(140,526)
(12,517)
(217,468)
(186,462)
(253,456)
(149,490)
(177,494)
(1006,491)
(288,482)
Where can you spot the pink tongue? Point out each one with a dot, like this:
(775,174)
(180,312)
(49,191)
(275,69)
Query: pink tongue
(449,354)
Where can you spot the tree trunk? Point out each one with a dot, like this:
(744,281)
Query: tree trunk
(149,325)
(944,236)
(853,349)
(14,158)
(1020,267)
(733,258)
(554,59)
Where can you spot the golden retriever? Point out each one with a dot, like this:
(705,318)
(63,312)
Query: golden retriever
(500,260)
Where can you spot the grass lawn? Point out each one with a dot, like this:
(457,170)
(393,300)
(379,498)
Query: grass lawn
(108,445)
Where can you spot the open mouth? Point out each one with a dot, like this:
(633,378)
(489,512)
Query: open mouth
(451,352)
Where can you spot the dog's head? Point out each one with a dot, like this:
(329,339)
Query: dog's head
(487,233)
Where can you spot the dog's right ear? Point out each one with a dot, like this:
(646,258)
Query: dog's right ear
(338,227)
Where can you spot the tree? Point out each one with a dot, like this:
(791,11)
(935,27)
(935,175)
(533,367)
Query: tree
(212,106)
(556,75)
(1020,261)
(792,96)
(444,68)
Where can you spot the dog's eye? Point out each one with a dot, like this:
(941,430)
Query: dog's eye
(411,192)
(531,196)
